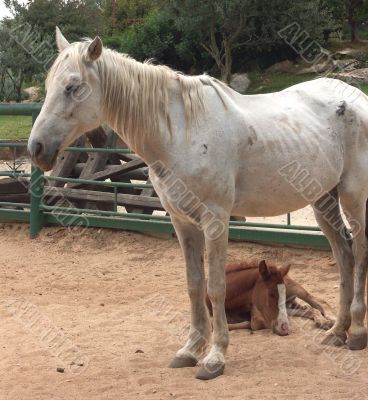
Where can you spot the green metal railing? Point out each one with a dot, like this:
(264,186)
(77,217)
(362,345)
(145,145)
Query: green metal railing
(39,214)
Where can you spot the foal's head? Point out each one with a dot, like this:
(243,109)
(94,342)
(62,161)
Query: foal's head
(269,300)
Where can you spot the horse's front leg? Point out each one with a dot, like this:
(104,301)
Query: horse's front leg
(191,240)
(216,244)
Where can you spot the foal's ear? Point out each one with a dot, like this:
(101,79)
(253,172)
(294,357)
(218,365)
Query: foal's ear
(94,49)
(284,270)
(61,42)
(263,270)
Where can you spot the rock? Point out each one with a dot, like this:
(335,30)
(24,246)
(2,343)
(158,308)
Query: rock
(283,66)
(331,65)
(317,68)
(357,76)
(346,65)
(61,370)
(240,82)
(347,53)
(33,93)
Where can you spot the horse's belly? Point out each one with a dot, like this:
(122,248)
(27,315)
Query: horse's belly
(286,187)
(250,207)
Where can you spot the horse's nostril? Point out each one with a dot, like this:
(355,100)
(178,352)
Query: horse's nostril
(38,149)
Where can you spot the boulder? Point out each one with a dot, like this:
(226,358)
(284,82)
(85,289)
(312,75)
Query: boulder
(356,76)
(346,65)
(33,93)
(283,66)
(317,69)
(347,53)
(240,82)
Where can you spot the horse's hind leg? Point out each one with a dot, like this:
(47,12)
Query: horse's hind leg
(353,203)
(192,243)
(328,216)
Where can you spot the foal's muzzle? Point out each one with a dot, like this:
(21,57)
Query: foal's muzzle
(280,328)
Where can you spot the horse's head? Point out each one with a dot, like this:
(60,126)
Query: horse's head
(73,101)
(269,299)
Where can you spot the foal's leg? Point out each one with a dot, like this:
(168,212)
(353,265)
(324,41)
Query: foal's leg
(240,325)
(306,311)
(294,289)
(328,216)
(192,243)
(354,204)
(214,362)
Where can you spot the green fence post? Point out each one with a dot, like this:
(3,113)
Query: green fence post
(36,188)
(36,217)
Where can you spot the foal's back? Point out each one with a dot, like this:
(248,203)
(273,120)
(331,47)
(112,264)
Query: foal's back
(241,279)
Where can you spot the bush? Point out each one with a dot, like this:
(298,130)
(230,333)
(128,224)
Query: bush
(157,38)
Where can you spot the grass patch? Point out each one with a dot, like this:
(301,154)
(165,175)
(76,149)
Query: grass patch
(274,82)
(15,127)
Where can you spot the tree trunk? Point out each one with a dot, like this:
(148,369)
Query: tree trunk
(19,90)
(227,65)
(351,21)
(353,27)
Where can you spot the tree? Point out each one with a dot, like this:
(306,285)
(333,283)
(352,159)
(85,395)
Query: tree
(353,12)
(76,18)
(127,13)
(16,64)
(357,11)
(27,44)
(225,26)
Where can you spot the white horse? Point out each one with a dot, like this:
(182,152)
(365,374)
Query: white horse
(213,153)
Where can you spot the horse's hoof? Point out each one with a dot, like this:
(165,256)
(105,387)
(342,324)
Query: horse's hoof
(357,342)
(210,371)
(332,339)
(183,362)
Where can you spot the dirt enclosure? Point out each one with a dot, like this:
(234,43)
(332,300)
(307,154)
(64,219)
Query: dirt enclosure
(109,310)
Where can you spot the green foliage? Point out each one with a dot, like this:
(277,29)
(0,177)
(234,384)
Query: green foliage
(157,37)
(76,18)
(128,12)
(355,12)
(153,38)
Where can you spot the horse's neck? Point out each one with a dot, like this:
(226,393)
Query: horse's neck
(158,147)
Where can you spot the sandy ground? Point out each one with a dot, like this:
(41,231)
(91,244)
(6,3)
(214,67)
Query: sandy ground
(111,309)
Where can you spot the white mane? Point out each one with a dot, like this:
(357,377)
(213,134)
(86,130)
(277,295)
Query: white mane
(136,94)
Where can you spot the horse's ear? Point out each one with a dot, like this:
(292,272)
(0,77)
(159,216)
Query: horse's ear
(263,270)
(95,49)
(61,42)
(284,270)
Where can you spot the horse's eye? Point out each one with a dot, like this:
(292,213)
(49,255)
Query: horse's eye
(70,89)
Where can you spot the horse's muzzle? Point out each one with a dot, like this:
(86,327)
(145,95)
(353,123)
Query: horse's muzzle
(42,155)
